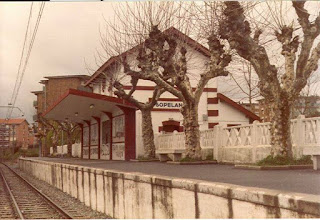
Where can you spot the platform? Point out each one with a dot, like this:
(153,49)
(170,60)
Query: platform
(300,181)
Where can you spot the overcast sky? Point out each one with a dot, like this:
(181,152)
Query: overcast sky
(68,34)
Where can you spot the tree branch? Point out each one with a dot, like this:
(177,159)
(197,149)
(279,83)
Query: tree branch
(310,31)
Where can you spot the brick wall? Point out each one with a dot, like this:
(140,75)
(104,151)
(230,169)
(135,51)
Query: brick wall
(22,134)
(55,88)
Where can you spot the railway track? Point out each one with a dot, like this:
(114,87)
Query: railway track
(19,199)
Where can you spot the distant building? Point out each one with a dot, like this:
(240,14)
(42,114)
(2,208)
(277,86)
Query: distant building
(53,88)
(307,105)
(304,105)
(15,133)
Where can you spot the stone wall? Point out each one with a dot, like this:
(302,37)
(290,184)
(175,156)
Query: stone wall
(135,195)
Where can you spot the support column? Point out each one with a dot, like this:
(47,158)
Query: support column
(99,129)
(81,126)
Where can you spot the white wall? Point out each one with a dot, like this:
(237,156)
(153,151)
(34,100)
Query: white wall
(230,115)
(132,195)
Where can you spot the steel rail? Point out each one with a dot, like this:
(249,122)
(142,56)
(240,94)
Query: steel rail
(12,197)
(56,206)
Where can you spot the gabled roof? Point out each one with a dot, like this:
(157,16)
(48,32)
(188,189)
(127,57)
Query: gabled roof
(173,31)
(12,121)
(245,111)
(68,76)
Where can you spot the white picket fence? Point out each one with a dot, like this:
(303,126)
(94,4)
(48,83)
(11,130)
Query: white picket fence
(246,143)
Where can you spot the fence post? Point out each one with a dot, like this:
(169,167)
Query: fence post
(300,132)
(254,140)
(220,142)
(216,141)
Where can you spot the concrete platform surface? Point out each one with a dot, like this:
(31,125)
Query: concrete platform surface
(301,181)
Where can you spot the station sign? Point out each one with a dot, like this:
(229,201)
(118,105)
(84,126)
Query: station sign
(168,104)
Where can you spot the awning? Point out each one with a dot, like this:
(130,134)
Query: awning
(77,106)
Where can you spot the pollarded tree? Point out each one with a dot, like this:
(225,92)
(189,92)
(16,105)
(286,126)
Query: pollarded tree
(279,87)
(157,63)
(129,30)
(49,126)
(145,108)
(70,130)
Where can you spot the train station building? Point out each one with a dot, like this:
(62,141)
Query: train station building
(111,127)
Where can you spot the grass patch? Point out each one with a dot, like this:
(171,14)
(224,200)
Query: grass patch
(281,160)
(145,158)
(188,159)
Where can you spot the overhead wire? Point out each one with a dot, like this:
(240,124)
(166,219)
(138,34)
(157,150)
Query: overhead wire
(16,92)
(23,48)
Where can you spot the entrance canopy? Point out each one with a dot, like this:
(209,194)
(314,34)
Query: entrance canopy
(78,106)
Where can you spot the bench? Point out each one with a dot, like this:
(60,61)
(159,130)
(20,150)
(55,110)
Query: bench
(314,152)
(164,154)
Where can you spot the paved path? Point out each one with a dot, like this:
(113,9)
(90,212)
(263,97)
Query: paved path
(302,181)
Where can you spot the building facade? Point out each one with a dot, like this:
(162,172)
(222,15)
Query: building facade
(111,127)
(15,133)
(53,88)
(309,106)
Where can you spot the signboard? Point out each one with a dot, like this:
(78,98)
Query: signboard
(106,138)
(168,104)
(94,134)
(94,152)
(86,136)
(105,152)
(85,152)
(118,151)
(118,129)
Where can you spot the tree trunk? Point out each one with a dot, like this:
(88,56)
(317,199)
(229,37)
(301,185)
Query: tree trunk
(147,134)
(44,147)
(280,127)
(69,143)
(191,129)
(54,148)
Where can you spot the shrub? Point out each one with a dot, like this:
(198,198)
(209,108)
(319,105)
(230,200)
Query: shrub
(209,157)
(145,158)
(281,160)
(8,155)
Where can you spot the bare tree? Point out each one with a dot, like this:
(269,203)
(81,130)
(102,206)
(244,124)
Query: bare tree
(70,129)
(157,64)
(280,86)
(163,57)
(56,127)
(242,82)
(131,27)
(49,125)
